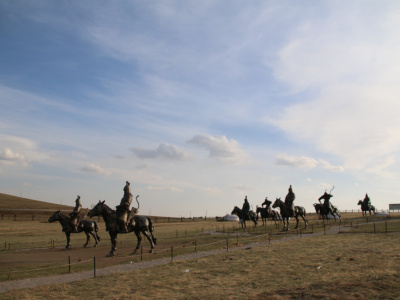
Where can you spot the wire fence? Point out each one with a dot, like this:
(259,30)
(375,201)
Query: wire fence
(224,239)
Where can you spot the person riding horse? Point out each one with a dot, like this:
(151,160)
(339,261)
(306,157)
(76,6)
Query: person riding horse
(74,215)
(246,209)
(367,201)
(327,204)
(123,209)
(267,203)
(289,200)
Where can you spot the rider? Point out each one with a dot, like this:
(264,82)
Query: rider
(246,209)
(327,204)
(367,201)
(267,203)
(74,215)
(290,199)
(123,209)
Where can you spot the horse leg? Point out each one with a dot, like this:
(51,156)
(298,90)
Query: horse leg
(113,238)
(146,234)
(305,221)
(87,239)
(297,222)
(139,239)
(68,236)
(96,241)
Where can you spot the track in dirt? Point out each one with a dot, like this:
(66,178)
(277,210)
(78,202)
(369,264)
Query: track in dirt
(59,256)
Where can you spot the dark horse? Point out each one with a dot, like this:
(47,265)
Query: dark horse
(266,213)
(252,216)
(286,213)
(366,207)
(324,212)
(137,224)
(88,227)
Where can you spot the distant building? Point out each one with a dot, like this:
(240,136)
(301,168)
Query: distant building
(394,206)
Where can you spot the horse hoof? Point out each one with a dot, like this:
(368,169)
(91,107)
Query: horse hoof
(151,251)
(110,254)
(95,246)
(84,246)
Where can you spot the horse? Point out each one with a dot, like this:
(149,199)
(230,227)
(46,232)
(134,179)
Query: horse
(324,212)
(86,226)
(366,207)
(252,216)
(137,224)
(286,213)
(267,212)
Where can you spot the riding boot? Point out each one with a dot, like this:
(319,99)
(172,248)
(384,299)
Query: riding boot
(123,228)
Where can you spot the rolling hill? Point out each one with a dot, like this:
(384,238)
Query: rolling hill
(14,202)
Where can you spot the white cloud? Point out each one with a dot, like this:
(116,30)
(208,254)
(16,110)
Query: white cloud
(164,189)
(301,162)
(347,71)
(304,162)
(94,168)
(163,151)
(220,148)
(7,156)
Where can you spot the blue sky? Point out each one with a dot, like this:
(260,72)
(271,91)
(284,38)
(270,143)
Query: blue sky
(199,103)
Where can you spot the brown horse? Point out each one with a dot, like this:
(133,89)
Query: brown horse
(266,213)
(286,213)
(137,224)
(366,207)
(251,216)
(86,226)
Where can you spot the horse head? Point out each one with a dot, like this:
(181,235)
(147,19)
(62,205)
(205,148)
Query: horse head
(277,203)
(54,217)
(235,210)
(360,202)
(97,210)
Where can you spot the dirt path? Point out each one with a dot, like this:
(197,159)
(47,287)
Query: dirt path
(109,270)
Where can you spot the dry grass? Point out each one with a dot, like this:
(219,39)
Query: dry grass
(345,266)
(14,202)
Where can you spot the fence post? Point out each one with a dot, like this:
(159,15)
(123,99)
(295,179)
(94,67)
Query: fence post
(385,226)
(94,266)
(69,264)
(195,245)
(141,253)
(374,228)
(227,245)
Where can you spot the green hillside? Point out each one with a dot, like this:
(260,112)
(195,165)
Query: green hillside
(14,202)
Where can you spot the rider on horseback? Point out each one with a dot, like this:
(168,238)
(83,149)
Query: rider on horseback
(327,205)
(123,209)
(289,200)
(246,209)
(367,202)
(74,215)
(267,203)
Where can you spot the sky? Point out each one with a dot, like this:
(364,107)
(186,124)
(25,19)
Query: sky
(200,103)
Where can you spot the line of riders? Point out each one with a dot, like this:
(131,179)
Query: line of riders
(124,212)
(323,209)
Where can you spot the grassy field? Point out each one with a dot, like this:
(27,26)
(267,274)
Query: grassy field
(362,264)
(344,266)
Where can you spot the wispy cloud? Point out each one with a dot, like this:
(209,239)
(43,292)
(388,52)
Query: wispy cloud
(304,162)
(7,156)
(94,168)
(221,148)
(164,151)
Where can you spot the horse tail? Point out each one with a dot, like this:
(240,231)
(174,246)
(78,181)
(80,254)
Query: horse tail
(96,228)
(151,229)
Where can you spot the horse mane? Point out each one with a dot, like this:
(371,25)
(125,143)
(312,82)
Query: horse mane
(108,209)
